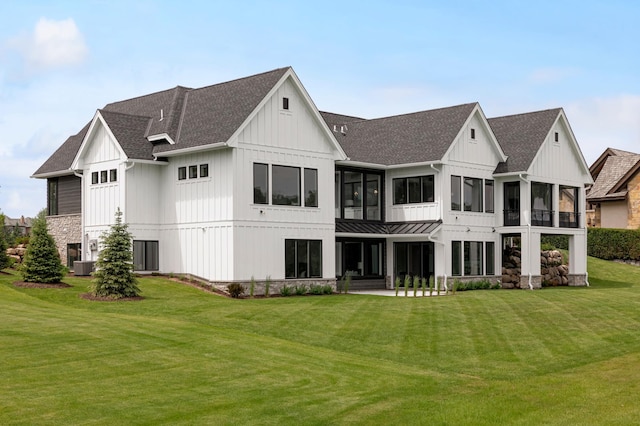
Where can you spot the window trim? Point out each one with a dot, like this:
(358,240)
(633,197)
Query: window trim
(193,172)
(405,182)
(95,178)
(103,176)
(489,207)
(113,175)
(285,103)
(266,181)
(296,261)
(204,170)
(182,173)
(155,263)
(296,202)
(308,202)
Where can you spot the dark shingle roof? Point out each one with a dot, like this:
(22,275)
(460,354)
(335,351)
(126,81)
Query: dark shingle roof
(191,118)
(408,138)
(615,169)
(521,136)
(60,161)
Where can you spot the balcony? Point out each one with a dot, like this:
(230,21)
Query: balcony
(512,217)
(542,218)
(569,219)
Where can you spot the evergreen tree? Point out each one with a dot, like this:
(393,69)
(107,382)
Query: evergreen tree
(4,258)
(41,262)
(114,269)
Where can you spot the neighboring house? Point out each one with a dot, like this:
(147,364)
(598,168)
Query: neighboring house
(614,199)
(18,227)
(247,179)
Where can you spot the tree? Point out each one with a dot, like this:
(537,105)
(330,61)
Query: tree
(41,262)
(114,268)
(4,258)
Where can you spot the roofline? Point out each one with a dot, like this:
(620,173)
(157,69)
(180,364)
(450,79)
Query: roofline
(626,177)
(59,173)
(605,199)
(83,146)
(364,165)
(193,149)
(159,137)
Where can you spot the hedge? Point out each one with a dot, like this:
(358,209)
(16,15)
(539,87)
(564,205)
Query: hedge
(609,244)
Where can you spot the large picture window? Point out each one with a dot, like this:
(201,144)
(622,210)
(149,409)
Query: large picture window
(456,193)
(413,190)
(145,255)
(285,186)
(541,204)
(303,258)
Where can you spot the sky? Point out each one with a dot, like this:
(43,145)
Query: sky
(62,60)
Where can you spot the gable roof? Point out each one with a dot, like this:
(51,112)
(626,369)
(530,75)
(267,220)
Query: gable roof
(181,117)
(521,137)
(409,138)
(613,169)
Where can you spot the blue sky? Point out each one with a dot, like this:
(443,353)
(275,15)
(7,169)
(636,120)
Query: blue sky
(62,60)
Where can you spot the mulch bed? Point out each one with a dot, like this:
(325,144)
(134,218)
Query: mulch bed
(89,296)
(26,284)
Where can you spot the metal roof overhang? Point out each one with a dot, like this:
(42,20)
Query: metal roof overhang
(377,229)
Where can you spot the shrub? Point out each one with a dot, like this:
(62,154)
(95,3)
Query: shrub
(611,244)
(252,287)
(41,261)
(397,285)
(4,258)
(407,281)
(326,289)
(416,284)
(300,290)
(552,242)
(315,289)
(235,290)
(267,285)
(431,281)
(424,286)
(347,282)
(286,291)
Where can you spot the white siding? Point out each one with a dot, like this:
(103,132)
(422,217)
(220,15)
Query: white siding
(480,151)
(143,183)
(417,211)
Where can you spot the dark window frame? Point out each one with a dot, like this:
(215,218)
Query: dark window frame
(473,134)
(456,193)
(182,173)
(281,199)
(490,258)
(149,259)
(489,196)
(193,172)
(113,175)
(53,194)
(310,177)
(477,195)
(299,258)
(103,176)
(365,202)
(456,258)
(479,262)
(260,196)
(94,178)
(403,194)
(285,103)
(204,170)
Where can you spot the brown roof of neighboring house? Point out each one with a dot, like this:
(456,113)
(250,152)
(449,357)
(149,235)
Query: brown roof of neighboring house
(612,170)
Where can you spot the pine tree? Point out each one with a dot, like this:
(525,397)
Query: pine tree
(41,262)
(4,258)
(114,268)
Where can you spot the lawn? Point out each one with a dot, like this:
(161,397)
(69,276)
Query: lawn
(183,356)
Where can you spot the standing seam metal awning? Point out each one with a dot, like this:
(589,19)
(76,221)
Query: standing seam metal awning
(400,228)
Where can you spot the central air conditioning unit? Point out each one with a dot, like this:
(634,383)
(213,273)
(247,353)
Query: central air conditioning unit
(93,245)
(83,267)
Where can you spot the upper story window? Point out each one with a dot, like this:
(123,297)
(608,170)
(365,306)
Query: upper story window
(569,207)
(473,134)
(285,185)
(193,171)
(358,195)
(52,197)
(94,178)
(556,137)
(113,175)
(413,190)
(472,194)
(541,204)
(285,103)
(103,176)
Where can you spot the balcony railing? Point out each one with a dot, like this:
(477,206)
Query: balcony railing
(569,219)
(542,217)
(512,217)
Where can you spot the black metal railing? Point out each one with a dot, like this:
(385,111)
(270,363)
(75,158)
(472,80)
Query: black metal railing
(512,217)
(541,217)
(569,219)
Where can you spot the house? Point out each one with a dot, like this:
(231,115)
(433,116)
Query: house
(614,199)
(19,227)
(247,180)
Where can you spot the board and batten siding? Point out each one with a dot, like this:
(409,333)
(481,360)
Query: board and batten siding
(144,193)
(413,211)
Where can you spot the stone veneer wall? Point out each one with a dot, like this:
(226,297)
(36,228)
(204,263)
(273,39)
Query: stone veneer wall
(275,285)
(634,202)
(65,229)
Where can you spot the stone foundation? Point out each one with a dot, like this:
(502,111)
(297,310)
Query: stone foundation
(274,285)
(577,280)
(65,229)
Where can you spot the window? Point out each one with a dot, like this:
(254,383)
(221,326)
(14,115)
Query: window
(73,253)
(94,177)
(182,173)
(373,211)
(358,195)
(511,203)
(473,133)
(556,137)
(488,196)
(303,258)
(204,170)
(359,258)
(472,258)
(541,205)
(113,175)
(472,195)
(490,257)
(456,194)
(285,103)
(352,195)
(103,176)
(311,187)
(145,255)
(568,207)
(413,259)
(285,186)
(260,183)
(456,247)
(193,172)
(52,197)
(413,190)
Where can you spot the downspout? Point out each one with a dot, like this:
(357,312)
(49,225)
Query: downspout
(444,255)
(528,220)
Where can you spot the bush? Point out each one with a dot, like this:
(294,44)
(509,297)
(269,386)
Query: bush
(300,290)
(252,287)
(267,286)
(552,242)
(326,289)
(315,289)
(235,290)
(397,284)
(4,258)
(285,291)
(609,244)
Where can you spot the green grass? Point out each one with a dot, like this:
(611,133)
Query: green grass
(183,356)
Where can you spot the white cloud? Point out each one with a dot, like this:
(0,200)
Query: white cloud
(600,123)
(52,44)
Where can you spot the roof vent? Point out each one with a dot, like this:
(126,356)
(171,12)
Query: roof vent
(343,130)
(161,114)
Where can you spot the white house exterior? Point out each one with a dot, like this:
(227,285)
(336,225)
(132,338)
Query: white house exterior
(248,180)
